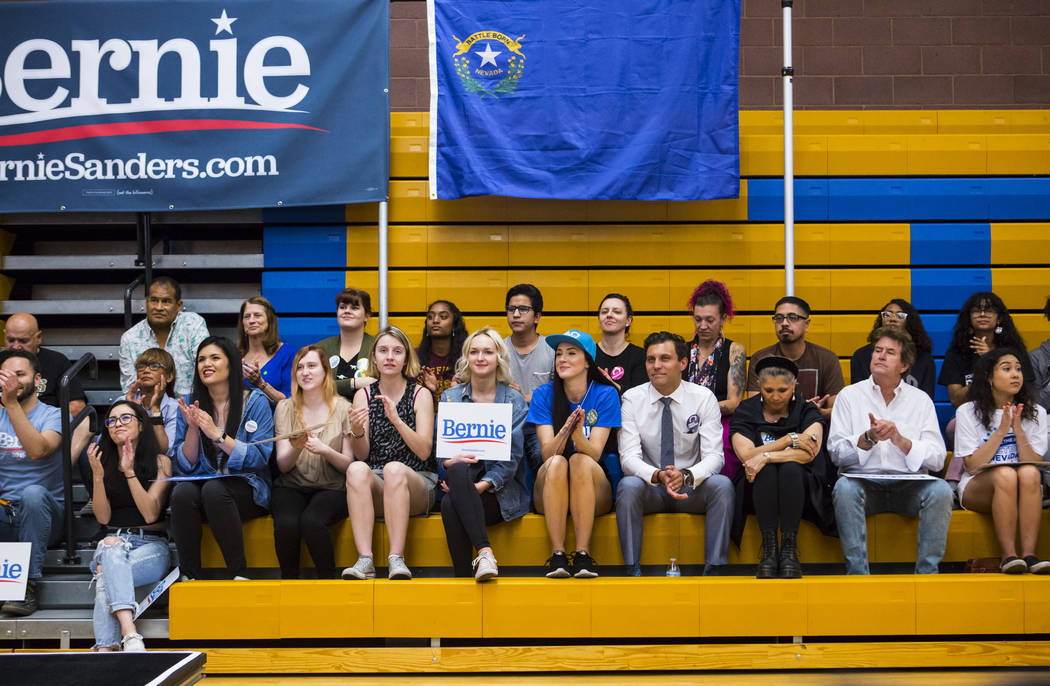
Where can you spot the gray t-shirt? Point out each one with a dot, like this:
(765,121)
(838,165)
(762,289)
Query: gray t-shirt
(533,369)
(16,469)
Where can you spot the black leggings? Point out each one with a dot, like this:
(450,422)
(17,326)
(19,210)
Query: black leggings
(224,503)
(465,514)
(304,514)
(778,494)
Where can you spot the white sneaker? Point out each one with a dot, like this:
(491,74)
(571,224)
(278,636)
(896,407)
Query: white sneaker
(485,567)
(398,568)
(241,578)
(132,643)
(364,568)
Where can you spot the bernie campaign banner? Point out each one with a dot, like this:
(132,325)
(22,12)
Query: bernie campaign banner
(584,99)
(152,105)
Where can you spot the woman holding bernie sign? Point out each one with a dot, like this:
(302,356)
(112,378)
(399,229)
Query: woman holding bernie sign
(392,429)
(574,415)
(481,494)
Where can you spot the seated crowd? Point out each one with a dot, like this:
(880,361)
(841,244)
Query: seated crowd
(345,429)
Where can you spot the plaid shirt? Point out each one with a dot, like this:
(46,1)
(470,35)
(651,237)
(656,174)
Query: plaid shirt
(187,332)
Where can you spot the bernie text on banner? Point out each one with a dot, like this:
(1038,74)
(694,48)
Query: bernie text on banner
(151,105)
(584,99)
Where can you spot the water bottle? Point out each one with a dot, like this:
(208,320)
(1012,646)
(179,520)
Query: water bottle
(674,570)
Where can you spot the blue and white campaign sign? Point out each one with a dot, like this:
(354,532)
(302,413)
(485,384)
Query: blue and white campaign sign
(152,105)
(479,429)
(14,570)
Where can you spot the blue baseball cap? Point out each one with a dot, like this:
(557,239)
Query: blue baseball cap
(578,338)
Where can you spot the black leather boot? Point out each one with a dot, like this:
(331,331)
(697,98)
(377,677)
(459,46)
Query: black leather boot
(767,566)
(789,564)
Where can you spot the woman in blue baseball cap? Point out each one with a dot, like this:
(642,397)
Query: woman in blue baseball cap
(573,415)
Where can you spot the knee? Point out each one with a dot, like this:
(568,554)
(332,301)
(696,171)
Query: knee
(847,492)
(358,476)
(34,497)
(395,475)
(556,468)
(183,495)
(630,489)
(457,474)
(1028,476)
(580,466)
(214,490)
(720,486)
(939,495)
(1005,479)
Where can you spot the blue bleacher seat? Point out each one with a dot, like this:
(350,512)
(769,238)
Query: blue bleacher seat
(297,245)
(951,244)
(306,292)
(947,289)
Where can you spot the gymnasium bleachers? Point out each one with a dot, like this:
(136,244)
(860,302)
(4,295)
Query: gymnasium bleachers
(925,205)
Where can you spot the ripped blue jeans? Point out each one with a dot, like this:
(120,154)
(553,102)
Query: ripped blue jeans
(136,560)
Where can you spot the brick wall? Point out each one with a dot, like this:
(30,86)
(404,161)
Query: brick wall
(847,54)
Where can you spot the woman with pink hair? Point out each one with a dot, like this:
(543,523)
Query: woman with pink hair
(716,362)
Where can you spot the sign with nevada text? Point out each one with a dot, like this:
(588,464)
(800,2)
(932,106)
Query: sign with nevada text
(14,570)
(478,429)
(152,105)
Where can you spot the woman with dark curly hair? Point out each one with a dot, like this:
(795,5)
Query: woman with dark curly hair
(997,432)
(442,344)
(900,313)
(1040,358)
(983,324)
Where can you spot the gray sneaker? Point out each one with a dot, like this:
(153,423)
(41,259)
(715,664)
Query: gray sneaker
(364,568)
(398,568)
(485,567)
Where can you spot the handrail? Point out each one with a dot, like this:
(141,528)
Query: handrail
(127,299)
(86,360)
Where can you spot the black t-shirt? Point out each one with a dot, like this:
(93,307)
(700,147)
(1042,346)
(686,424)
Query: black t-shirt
(958,367)
(627,369)
(52,365)
(922,375)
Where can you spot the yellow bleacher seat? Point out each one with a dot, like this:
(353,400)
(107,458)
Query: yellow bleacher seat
(1021,288)
(1019,153)
(947,154)
(867,154)
(1017,243)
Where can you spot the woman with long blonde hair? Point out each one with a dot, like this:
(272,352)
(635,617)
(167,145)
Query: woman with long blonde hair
(481,494)
(310,494)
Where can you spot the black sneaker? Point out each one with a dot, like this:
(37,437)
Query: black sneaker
(23,608)
(558,566)
(1037,566)
(583,565)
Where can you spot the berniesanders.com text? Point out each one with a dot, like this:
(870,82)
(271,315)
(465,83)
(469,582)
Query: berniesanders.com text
(78,167)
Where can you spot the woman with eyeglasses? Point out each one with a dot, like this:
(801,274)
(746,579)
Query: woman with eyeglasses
(902,314)
(130,495)
(218,437)
(983,324)
(154,389)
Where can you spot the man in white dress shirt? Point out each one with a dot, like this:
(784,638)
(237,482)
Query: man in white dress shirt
(881,427)
(671,453)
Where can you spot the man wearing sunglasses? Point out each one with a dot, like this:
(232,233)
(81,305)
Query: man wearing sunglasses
(819,373)
(30,468)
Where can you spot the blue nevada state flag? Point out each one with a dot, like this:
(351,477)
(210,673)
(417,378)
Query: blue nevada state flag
(584,99)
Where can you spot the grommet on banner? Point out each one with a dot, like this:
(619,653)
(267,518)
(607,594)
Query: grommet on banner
(171,207)
(62,208)
(280,203)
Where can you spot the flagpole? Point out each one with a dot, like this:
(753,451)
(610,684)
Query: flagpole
(384,305)
(787,73)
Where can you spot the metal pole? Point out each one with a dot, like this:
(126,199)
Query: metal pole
(384,303)
(86,360)
(787,73)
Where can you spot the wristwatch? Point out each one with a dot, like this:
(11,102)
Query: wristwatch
(221,439)
(871,441)
(687,478)
(794,440)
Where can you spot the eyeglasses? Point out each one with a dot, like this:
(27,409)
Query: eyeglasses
(122,420)
(792,317)
(886,314)
(155,366)
(983,309)
(522,309)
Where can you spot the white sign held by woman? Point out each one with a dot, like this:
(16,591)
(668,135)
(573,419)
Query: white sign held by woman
(479,429)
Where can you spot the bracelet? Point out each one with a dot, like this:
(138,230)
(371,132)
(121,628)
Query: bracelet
(353,435)
(130,477)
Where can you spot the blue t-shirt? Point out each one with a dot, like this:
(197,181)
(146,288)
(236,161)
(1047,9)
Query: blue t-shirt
(601,406)
(17,471)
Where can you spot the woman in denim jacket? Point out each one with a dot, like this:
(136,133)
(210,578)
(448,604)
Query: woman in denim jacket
(219,426)
(480,494)
(129,496)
